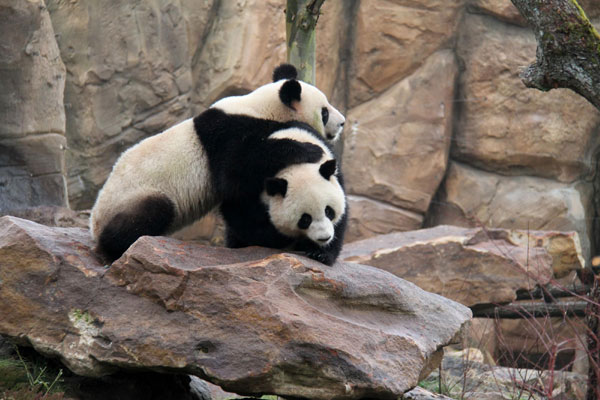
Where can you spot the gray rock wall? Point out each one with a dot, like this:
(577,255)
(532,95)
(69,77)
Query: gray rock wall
(32,113)
(440,128)
(129,76)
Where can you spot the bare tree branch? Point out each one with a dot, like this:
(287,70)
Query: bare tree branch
(568,53)
(526,310)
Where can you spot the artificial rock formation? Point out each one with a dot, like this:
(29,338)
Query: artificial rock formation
(129,76)
(423,83)
(471,197)
(368,217)
(32,114)
(402,167)
(471,266)
(506,128)
(250,320)
(406,34)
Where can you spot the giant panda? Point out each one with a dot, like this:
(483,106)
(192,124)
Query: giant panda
(164,182)
(302,207)
(287,99)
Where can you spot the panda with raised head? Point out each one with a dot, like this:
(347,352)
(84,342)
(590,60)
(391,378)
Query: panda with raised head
(164,182)
(302,207)
(288,99)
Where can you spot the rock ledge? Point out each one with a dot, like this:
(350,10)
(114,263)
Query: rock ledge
(250,320)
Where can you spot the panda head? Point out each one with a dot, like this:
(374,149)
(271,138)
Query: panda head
(287,99)
(307,102)
(306,200)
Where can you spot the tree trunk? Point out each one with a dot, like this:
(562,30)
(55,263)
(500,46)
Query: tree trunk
(301,20)
(568,53)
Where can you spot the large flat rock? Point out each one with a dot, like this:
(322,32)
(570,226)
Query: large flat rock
(471,265)
(252,320)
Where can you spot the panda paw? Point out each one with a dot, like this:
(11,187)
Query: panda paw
(321,257)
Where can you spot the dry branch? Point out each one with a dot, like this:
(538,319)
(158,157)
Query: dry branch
(531,310)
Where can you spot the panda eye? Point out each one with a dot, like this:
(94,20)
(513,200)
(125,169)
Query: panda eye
(325,115)
(329,213)
(304,221)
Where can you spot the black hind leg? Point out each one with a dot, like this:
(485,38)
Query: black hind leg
(152,216)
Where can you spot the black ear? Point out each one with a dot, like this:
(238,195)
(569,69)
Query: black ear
(327,169)
(284,71)
(289,92)
(276,186)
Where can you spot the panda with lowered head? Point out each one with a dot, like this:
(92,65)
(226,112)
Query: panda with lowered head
(164,182)
(302,207)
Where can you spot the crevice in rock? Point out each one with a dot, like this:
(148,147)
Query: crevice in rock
(382,203)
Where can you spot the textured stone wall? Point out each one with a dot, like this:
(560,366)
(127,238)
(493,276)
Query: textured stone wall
(440,128)
(442,131)
(32,115)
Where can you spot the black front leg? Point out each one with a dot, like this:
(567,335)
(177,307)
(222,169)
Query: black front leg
(312,250)
(280,153)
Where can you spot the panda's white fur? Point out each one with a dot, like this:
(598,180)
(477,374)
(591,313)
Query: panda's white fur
(172,166)
(260,104)
(307,192)
(171,163)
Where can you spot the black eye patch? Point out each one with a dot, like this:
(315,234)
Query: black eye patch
(329,213)
(325,115)
(304,221)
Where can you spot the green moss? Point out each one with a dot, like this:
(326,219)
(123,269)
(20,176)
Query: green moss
(586,19)
(583,29)
(77,315)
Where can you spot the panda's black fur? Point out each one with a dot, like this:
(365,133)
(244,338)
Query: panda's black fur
(152,216)
(285,71)
(240,157)
(240,162)
(249,224)
(240,154)
(163,183)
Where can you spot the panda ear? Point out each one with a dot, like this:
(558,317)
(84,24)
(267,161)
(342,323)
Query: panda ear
(275,186)
(328,168)
(284,71)
(290,92)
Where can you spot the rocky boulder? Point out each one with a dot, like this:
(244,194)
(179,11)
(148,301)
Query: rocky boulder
(252,320)
(472,197)
(471,266)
